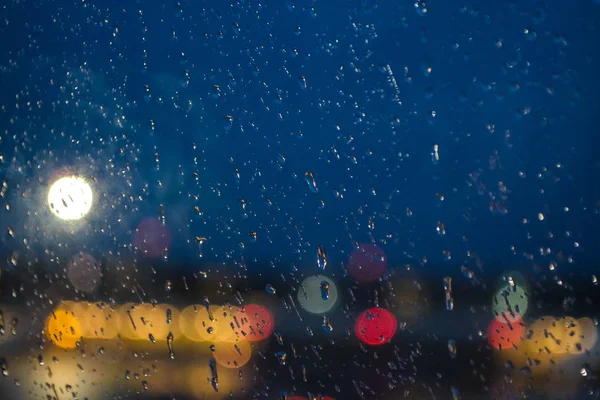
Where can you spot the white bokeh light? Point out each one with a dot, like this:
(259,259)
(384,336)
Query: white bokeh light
(311,296)
(70,198)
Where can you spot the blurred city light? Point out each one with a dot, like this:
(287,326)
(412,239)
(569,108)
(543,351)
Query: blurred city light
(70,198)
(317,294)
(375,326)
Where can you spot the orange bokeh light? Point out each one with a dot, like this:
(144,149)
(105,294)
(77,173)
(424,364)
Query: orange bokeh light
(505,331)
(63,328)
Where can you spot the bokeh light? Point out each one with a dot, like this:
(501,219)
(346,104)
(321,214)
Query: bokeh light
(510,298)
(84,273)
(139,321)
(367,262)
(215,324)
(411,300)
(152,237)
(233,355)
(70,198)
(317,294)
(589,336)
(375,326)
(187,322)
(505,331)
(254,322)
(63,328)
(545,336)
(98,320)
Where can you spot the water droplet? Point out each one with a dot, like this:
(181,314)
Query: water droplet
(4,367)
(170,345)
(311,181)
(421,7)
(270,289)
(216,91)
(227,122)
(281,357)
(244,208)
(585,370)
(325,286)
(279,338)
(452,348)
(302,82)
(321,258)
(151,337)
(214,378)
(440,228)
(448,293)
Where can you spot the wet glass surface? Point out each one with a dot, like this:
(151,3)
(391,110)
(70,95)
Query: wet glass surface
(299,200)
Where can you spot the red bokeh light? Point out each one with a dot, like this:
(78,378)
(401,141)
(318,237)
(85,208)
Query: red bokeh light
(505,331)
(254,323)
(367,262)
(152,237)
(375,326)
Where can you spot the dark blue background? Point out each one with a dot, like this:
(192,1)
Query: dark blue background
(346,50)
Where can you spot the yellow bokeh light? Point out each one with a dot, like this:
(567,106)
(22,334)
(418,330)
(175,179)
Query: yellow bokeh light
(142,321)
(70,198)
(545,335)
(215,324)
(98,320)
(589,336)
(233,355)
(187,322)
(63,328)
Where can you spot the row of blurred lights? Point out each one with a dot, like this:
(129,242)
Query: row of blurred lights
(508,330)
(72,321)
(550,335)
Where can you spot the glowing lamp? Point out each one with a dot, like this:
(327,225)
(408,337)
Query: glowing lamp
(70,198)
